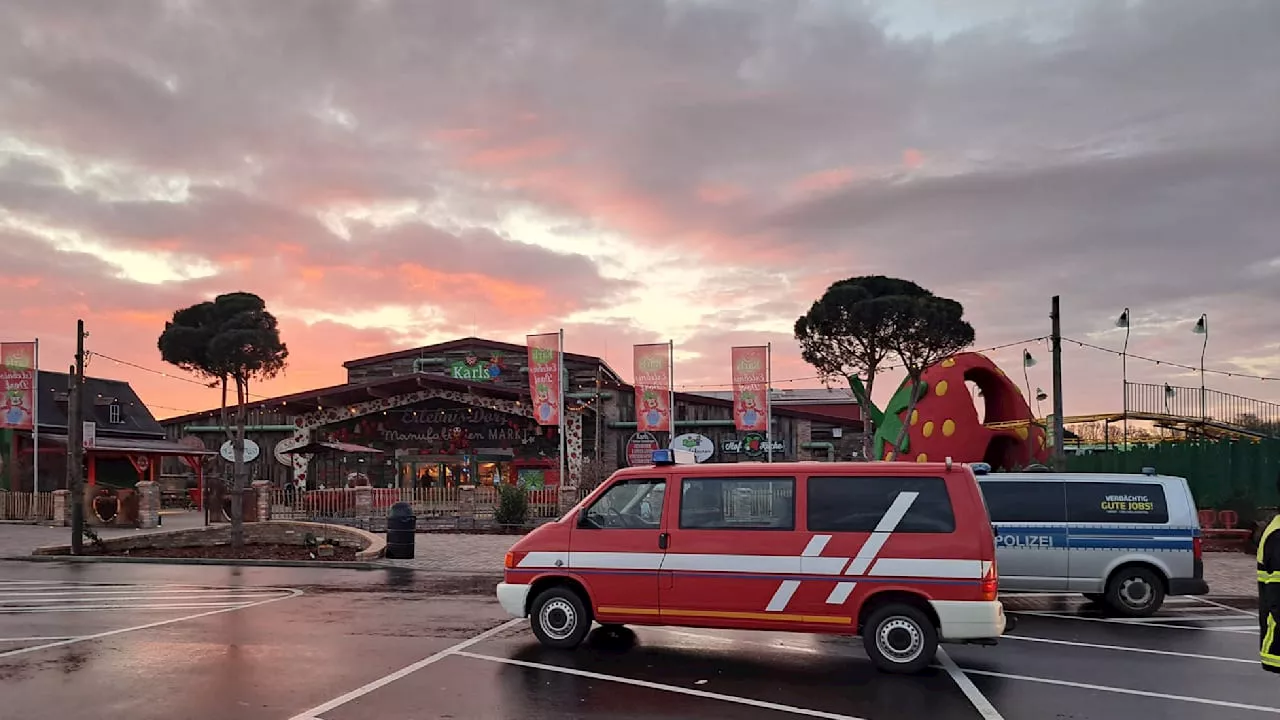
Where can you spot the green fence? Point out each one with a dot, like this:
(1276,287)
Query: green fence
(1224,475)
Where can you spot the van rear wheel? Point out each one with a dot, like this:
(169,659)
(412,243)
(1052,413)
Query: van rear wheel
(559,618)
(1135,591)
(900,639)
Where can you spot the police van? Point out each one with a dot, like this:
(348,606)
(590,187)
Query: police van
(1126,541)
(899,553)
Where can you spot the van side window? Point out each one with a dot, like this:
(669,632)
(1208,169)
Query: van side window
(1025,502)
(856,504)
(738,503)
(1104,502)
(635,503)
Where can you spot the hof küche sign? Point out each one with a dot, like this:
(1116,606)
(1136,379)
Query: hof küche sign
(751,445)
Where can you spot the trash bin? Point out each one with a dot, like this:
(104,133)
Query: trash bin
(401,524)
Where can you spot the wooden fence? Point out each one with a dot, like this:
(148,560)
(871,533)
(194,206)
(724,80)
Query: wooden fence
(1235,475)
(428,504)
(25,506)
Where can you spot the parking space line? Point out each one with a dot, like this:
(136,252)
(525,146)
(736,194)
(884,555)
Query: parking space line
(1100,646)
(367,688)
(39,609)
(657,686)
(34,639)
(1124,691)
(1224,606)
(1117,621)
(971,691)
(42,600)
(159,623)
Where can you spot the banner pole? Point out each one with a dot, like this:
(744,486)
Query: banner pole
(35,421)
(671,388)
(768,401)
(560,383)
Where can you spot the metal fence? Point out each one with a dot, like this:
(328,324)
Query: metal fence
(1209,405)
(26,506)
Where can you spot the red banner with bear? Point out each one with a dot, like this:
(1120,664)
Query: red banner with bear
(544,378)
(751,388)
(18,382)
(653,388)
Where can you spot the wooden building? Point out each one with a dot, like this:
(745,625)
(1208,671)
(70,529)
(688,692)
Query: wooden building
(459,413)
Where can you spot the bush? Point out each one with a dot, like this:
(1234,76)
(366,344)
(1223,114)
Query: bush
(513,505)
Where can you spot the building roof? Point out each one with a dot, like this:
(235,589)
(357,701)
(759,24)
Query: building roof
(135,446)
(351,393)
(799,396)
(136,418)
(470,342)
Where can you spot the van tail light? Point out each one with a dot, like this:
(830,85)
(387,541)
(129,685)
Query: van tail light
(990,582)
(1197,548)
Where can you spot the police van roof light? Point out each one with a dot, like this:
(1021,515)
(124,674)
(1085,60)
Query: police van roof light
(1149,471)
(980,468)
(671,456)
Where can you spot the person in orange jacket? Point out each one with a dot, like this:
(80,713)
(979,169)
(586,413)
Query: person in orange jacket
(1269,593)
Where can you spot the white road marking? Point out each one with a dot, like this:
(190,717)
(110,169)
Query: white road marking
(402,672)
(1125,691)
(1099,646)
(120,631)
(40,594)
(657,686)
(37,609)
(8,600)
(1224,606)
(34,639)
(971,691)
(1149,622)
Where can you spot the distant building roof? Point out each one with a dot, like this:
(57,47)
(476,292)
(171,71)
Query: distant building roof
(797,396)
(135,419)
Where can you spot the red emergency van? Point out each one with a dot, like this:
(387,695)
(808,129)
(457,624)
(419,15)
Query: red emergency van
(900,553)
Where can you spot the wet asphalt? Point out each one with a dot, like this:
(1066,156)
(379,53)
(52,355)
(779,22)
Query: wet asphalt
(139,642)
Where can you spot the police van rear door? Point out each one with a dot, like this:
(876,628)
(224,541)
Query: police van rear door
(1029,519)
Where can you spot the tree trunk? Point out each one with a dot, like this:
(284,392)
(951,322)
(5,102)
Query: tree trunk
(906,421)
(237,481)
(870,414)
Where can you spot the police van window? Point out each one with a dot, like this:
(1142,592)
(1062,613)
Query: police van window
(738,503)
(1025,502)
(635,504)
(1102,502)
(856,504)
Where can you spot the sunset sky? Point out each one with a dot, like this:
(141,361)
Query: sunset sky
(391,174)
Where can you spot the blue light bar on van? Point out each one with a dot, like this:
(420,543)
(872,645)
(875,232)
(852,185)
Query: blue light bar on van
(671,456)
(980,468)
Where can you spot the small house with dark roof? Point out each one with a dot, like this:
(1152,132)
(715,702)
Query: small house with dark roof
(128,440)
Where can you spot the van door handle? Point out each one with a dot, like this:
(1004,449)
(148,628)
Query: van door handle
(662,540)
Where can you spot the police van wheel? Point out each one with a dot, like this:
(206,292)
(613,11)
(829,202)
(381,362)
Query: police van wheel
(559,618)
(900,639)
(1135,591)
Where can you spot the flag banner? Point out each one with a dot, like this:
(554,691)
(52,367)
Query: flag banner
(750,388)
(544,378)
(653,388)
(17,382)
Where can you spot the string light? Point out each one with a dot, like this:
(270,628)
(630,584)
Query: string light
(161,373)
(1208,371)
(776,381)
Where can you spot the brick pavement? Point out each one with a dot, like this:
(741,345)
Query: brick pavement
(21,539)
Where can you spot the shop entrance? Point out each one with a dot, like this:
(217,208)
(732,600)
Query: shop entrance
(434,471)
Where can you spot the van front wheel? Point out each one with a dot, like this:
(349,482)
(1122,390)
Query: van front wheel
(559,618)
(1135,591)
(900,639)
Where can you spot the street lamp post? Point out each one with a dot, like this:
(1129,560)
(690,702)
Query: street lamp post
(1202,328)
(1123,321)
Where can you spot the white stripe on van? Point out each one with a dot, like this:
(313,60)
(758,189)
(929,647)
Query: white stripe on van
(874,544)
(787,588)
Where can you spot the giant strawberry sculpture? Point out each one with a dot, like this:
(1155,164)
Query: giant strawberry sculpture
(945,421)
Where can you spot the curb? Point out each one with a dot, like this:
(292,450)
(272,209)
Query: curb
(338,564)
